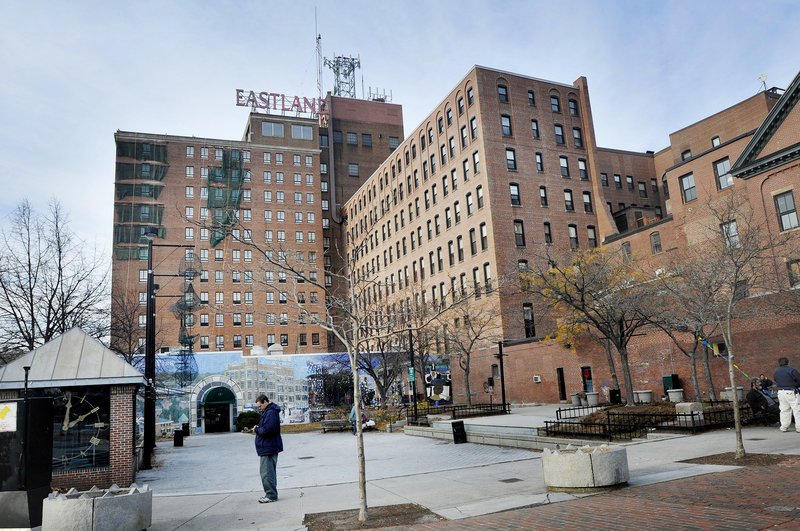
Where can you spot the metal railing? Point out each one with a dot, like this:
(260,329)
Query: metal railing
(455,411)
(577,411)
(625,426)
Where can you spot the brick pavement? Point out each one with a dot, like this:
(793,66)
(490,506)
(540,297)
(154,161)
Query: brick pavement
(747,498)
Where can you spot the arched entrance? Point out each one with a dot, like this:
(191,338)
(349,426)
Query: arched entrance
(217,404)
(201,395)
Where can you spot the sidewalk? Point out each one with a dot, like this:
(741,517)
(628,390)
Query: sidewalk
(212,482)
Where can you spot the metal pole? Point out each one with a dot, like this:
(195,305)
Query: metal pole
(150,365)
(413,383)
(502,374)
(26,444)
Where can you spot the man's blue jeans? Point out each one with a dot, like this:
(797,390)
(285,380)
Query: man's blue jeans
(269,478)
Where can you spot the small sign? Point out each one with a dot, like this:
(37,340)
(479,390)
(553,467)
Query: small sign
(411,374)
(8,416)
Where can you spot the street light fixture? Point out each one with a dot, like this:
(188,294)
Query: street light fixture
(150,356)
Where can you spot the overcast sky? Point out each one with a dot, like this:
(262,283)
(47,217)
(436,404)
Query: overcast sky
(72,73)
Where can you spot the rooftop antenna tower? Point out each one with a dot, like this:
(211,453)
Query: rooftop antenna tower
(319,56)
(763,79)
(344,68)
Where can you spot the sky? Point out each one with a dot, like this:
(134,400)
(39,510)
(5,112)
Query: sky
(73,73)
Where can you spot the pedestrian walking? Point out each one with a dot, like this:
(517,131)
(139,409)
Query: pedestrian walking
(788,381)
(268,445)
(353,418)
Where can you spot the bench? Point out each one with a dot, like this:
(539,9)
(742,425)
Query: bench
(336,424)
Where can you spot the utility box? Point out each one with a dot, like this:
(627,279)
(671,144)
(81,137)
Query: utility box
(185,429)
(26,454)
(459,433)
(670,382)
(177,438)
(615,396)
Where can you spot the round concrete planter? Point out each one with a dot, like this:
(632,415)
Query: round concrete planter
(643,397)
(576,400)
(585,468)
(675,395)
(592,399)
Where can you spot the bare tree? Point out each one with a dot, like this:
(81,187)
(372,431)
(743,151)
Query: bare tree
(739,252)
(126,331)
(470,326)
(48,284)
(592,289)
(684,293)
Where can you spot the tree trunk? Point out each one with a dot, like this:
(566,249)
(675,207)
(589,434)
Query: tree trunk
(466,380)
(362,472)
(737,418)
(626,374)
(611,365)
(693,365)
(707,368)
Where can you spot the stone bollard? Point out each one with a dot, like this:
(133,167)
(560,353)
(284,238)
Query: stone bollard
(129,509)
(587,467)
(689,412)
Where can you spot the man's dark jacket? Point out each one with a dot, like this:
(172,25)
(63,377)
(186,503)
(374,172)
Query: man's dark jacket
(787,378)
(268,431)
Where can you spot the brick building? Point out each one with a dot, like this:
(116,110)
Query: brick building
(506,164)
(227,208)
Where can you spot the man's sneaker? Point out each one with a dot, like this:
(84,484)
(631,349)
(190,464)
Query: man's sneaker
(784,429)
(264,499)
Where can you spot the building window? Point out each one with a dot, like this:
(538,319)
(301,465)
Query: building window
(535,128)
(686,154)
(543,195)
(473,127)
(564,162)
(576,135)
(189,192)
(730,231)
(715,141)
(548,233)
(479,194)
(629,180)
(271,129)
(555,104)
(794,272)
(568,203)
(519,233)
(511,159)
(787,212)
(514,189)
(484,237)
(573,236)
(366,139)
(505,124)
(352,169)
(470,96)
(352,139)
(665,187)
(655,243)
(539,163)
(688,189)
(642,189)
(722,169)
(204,153)
(617,181)
(592,236)
(573,108)
(587,202)
(531,98)
(559,134)
(476,162)
(626,251)
(527,318)
(502,93)
(460,106)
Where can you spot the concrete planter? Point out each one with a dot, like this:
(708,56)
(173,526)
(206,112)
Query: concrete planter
(675,395)
(643,397)
(576,400)
(585,468)
(593,399)
(129,509)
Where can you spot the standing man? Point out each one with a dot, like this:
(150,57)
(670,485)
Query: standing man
(268,445)
(788,380)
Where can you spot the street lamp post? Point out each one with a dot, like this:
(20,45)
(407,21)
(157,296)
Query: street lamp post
(412,384)
(150,356)
(499,355)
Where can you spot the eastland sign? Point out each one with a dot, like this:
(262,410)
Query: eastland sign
(279,102)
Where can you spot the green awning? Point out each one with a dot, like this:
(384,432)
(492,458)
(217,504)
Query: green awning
(218,395)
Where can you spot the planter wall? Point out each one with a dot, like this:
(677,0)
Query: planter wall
(643,396)
(592,399)
(586,467)
(129,509)
(675,395)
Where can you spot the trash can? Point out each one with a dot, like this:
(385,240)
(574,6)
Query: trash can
(178,437)
(459,434)
(185,429)
(615,396)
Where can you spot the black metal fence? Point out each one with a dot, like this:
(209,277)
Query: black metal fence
(455,411)
(577,411)
(621,425)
